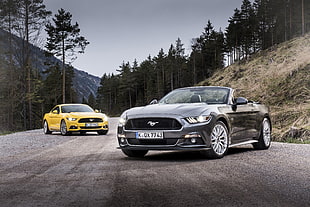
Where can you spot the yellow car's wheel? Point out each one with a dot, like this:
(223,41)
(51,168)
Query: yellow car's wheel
(63,128)
(46,128)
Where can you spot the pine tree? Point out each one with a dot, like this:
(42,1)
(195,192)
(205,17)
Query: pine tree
(23,19)
(91,100)
(247,15)
(64,40)
(10,90)
(32,16)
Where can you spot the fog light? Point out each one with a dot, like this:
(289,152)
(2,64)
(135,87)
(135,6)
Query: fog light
(121,135)
(193,140)
(122,140)
(192,135)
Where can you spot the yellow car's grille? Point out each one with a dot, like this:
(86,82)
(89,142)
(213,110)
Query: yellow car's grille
(90,120)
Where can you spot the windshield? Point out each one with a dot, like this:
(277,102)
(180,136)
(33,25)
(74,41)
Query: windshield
(76,108)
(209,95)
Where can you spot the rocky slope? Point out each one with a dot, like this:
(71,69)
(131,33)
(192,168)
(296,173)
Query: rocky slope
(83,83)
(280,78)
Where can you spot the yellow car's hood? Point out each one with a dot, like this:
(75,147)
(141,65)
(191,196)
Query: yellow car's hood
(86,115)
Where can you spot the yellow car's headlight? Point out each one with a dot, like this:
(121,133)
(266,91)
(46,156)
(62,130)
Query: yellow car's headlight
(105,117)
(71,119)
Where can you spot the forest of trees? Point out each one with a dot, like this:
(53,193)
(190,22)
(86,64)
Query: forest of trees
(25,93)
(256,26)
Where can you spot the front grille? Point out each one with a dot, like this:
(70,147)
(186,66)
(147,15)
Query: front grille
(93,127)
(90,120)
(153,124)
(152,141)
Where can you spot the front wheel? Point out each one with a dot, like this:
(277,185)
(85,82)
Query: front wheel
(46,129)
(219,141)
(63,128)
(264,139)
(134,153)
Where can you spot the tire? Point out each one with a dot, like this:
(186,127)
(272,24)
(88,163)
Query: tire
(63,128)
(46,129)
(219,141)
(134,153)
(264,139)
(102,132)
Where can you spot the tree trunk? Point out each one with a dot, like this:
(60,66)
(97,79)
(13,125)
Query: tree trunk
(302,18)
(63,73)
(27,65)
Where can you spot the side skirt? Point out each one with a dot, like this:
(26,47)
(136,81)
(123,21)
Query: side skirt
(243,143)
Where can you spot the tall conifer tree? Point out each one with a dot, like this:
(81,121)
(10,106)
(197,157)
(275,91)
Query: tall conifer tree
(64,40)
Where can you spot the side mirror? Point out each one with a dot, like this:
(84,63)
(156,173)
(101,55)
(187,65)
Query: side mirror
(55,112)
(241,101)
(97,111)
(154,101)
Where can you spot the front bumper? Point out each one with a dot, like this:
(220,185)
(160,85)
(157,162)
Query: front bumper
(190,136)
(74,126)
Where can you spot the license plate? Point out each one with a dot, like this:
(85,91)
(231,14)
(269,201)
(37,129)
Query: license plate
(91,124)
(149,135)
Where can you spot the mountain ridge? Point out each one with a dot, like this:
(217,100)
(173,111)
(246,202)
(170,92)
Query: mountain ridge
(84,83)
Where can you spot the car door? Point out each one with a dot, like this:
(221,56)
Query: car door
(244,122)
(55,118)
(242,117)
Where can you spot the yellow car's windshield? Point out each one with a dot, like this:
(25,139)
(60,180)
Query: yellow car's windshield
(76,108)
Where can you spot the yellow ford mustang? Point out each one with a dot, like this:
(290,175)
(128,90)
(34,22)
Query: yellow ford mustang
(68,118)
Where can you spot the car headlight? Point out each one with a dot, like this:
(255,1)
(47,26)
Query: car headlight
(122,122)
(198,119)
(105,117)
(71,119)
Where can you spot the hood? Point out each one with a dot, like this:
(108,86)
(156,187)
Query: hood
(86,114)
(160,110)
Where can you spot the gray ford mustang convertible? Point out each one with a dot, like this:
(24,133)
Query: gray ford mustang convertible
(206,118)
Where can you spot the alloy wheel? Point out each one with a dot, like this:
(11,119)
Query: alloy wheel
(63,128)
(266,132)
(219,139)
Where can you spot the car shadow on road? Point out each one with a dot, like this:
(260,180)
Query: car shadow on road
(187,156)
(239,150)
(78,134)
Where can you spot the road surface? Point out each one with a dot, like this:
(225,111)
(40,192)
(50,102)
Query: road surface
(88,170)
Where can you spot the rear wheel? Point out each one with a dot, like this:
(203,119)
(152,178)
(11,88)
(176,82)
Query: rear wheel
(134,153)
(219,141)
(46,129)
(264,139)
(63,128)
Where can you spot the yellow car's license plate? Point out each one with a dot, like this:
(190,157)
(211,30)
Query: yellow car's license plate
(91,124)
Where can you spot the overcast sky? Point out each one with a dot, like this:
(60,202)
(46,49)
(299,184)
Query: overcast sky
(124,30)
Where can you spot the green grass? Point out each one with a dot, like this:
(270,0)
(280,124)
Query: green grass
(5,133)
(296,141)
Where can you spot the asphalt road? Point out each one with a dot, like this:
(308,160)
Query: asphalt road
(52,170)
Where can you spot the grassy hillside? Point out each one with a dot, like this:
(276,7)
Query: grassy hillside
(280,78)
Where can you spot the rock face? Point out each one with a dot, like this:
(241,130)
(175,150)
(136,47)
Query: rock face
(83,83)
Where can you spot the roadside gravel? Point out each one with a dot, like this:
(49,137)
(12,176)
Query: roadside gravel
(22,142)
(87,170)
